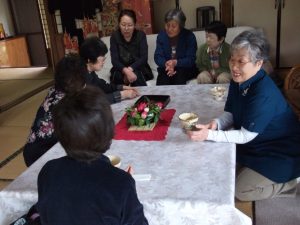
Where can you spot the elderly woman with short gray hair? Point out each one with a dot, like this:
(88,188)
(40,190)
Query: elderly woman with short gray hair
(265,129)
(175,52)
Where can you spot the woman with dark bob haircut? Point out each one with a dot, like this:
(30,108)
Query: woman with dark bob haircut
(265,129)
(93,51)
(83,187)
(94,134)
(175,52)
(213,56)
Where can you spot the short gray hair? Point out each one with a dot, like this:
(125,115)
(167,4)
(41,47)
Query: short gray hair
(177,15)
(255,42)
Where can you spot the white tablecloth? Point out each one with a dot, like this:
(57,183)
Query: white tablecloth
(191,182)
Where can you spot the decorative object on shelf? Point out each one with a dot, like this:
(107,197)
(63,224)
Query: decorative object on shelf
(70,44)
(90,27)
(2,32)
(144,115)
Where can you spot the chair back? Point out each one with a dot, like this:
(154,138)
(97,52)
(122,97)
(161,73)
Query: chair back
(292,88)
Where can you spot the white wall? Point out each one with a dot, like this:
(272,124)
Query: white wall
(5,18)
(160,7)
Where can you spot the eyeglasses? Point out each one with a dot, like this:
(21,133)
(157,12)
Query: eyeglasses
(239,63)
(124,25)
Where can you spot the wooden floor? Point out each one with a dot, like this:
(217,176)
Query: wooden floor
(21,92)
(15,122)
(15,125)
(18,84)
(246,207)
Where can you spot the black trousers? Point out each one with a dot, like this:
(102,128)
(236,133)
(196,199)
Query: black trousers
(117,77)
(181,76)
(33,151)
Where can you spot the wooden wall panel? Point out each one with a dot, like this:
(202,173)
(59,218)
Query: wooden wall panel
(14,52)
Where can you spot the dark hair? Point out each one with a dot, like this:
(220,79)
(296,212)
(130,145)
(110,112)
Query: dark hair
(92,48)
(69,74)
(83,124)
(177,15)
(127,12)
(218,28)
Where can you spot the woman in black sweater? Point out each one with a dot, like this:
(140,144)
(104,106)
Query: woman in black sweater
(83,187)
(93,51)
(129,52)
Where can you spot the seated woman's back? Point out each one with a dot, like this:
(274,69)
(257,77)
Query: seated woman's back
(83,187)
(69,78)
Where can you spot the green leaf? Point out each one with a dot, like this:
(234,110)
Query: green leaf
(141,122)
(152,117)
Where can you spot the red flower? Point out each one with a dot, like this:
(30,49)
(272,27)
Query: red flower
(144,113)
(141,106)
(159,104)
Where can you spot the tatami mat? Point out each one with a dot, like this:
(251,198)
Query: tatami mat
(278,211)
(26,73)
(18,84)
(245,207)
(4,183)
(12,139)
(14,92)
(23,113)
(14,168)
(15,124)
(22,90)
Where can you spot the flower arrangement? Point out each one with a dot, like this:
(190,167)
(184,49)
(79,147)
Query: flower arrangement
(144,113)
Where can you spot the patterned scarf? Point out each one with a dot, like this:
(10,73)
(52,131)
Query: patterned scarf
(214,56)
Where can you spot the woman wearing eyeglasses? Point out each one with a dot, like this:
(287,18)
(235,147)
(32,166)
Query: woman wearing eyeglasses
(129,52)
(93,51)
(265,129)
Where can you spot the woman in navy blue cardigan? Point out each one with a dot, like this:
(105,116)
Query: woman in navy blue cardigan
(175,52)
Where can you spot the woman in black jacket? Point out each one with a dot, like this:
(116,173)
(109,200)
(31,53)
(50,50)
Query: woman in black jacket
(129,52)
(93,52)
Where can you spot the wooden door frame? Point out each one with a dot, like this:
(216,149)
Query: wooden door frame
(14,20)
(226,12)
(56,39)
